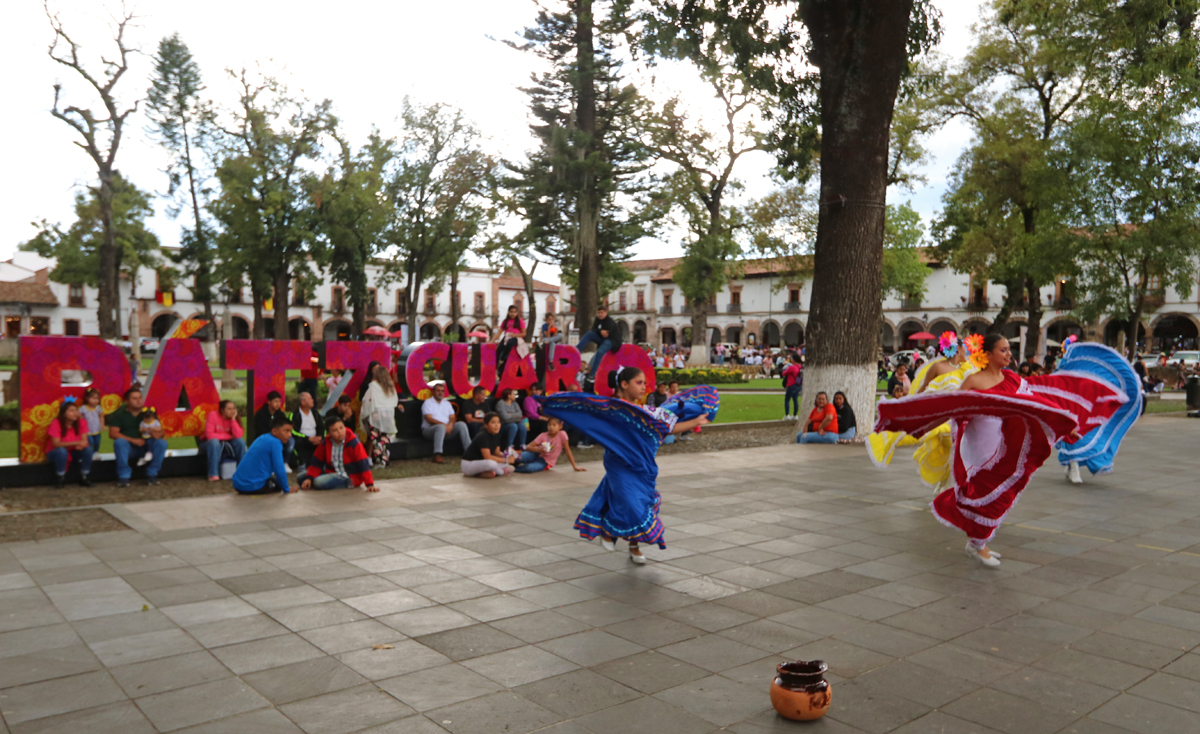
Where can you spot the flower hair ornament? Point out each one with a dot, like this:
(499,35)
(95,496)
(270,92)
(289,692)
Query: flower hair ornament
(948,344)
(69,399)
(1070,340)
(974,345)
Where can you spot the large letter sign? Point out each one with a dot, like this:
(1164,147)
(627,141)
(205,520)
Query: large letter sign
(181,367)
(42,360)
(266,362)
(354,356)
(629,355)
(414,369)
(460,369)
(563,373)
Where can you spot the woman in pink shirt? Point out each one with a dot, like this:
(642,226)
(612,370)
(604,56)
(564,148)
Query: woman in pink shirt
(223,434)
(66,441)
(511,329)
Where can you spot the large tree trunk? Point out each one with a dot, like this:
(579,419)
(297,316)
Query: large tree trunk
(455,302)
(1011,292)
(699,355)
(282,283)
(531,317)
(860,48)
(260,326)
(413,296)
(110,263)
(587,296)
(1033,331)
(358,320)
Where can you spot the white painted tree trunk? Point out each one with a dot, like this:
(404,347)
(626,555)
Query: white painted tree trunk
(857,381)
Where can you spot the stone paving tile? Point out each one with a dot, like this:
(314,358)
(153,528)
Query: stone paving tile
(440,686)
(167,674)
(121,717)
(59,696)
(308,679)
(200,704)
(351,710)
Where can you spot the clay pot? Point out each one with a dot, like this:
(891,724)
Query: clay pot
(800,691)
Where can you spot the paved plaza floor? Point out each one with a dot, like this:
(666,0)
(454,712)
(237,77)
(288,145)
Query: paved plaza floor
(471,607)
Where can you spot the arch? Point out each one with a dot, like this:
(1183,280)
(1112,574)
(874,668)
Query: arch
(639,332)
(162,322)
(241,326)
(269,326)
(771,333)
(395,326)
(372,322)
(430,331)
(887,337)
(906,329)
(668,335)
(623,330)
(336,330)
(714,336)
(299,329)
(975,325)
(941,324)
(457,331)
(733,334)
(1174,331)
(1061,327)
(793,333)
(1114,326)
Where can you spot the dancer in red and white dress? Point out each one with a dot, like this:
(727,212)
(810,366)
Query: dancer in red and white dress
(1004,428)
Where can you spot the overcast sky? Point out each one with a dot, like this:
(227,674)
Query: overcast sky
(365,56)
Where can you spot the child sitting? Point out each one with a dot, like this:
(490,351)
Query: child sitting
(93,416)
(484,458)
(542,453)
(148,423)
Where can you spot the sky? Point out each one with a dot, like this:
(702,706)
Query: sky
(365,55)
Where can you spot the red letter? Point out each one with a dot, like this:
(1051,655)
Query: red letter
(180,366)
(519,373)
(355,356)
(564,371)
(629,355)
(460,369)
(414,368)
(266,362)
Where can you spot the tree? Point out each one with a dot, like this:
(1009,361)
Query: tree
(100,139)
(77,251)
(266,206)
(581,186)
(354,216)
(437,196)
(182,122)
(857,51)
(1135,194)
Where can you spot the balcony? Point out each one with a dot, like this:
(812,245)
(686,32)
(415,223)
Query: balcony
(910,304)
(977,305)
(712,308)
(686,311)
(1064,304)
(480,312)
(666,311)
(430,309)
(733,308)
(791,307)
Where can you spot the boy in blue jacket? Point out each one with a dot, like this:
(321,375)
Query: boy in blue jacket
(261,470)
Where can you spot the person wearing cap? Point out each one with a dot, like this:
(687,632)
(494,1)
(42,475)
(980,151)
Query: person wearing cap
(265,416)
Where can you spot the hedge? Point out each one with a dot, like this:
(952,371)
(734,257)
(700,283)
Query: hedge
(700,376)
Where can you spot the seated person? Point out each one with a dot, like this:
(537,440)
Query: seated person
(223,434)
(125,430)
(658,398)
(484,458)
(543,452)
(343,411)
(265,416)
(262,470)
(307,428)
(899,377)
(148,425)
(512,419)
(532,411)
(474,409)
(339,461)
(605,335)
(67,441)
(438,418)
(822,423)
(847,423)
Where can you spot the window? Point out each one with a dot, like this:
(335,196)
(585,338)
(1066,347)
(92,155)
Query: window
(978,291)
(430,302)
(667,300)
(337,301)
(519,302)
(39,325)
(793,295)
(75,295)
(1154,284)
(402,301)
(70,327)
(641,300)
(299,297)
(551,304)
(372,302)
(12,326)
(622,301)
(235,296)
(479,304)
(735,298)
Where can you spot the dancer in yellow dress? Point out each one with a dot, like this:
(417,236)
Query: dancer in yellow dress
(934,449)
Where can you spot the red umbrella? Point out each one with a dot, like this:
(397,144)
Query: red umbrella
(479,335)
(922,335)
(376,331)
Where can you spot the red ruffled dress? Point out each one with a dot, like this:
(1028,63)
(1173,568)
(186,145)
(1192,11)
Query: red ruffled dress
(1002,435)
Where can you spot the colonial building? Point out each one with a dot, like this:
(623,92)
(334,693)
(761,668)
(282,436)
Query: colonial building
(31,303)
(763,307)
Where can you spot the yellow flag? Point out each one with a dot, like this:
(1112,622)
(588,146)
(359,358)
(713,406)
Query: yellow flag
(168,299)
(269,304)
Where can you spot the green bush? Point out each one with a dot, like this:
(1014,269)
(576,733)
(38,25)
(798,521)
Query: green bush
(10,416)
(700,376)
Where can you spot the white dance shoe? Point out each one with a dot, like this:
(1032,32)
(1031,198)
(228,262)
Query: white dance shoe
(1073,473)
(992,561)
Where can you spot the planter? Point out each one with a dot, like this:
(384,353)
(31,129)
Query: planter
(800,691)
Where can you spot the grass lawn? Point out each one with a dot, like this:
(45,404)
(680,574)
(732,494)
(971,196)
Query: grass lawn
(8,444)
(1166,406)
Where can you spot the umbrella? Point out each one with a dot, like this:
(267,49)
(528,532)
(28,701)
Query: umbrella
(922,335)
(397,335)
(479,335)
(376,331)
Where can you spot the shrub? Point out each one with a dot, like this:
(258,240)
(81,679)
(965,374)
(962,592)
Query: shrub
(10,416)
(700,376)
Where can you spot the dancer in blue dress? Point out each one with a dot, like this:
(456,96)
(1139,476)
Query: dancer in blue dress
(626,503)
(1097,448)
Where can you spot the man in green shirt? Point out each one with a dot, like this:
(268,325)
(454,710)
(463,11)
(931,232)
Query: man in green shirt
(124,427)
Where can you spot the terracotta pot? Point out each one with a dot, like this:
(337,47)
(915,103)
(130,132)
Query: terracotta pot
(800,690)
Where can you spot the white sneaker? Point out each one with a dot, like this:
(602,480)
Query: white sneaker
(991,561)
(146,457)
(583,445)
(1073,473)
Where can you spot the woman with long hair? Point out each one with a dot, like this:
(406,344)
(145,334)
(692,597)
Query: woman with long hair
(512,329)
(67,441)
(626,503)
(379,414)
(1004,428)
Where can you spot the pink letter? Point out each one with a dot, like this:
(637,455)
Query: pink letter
(519,372)
(266,362)
(414,368)
(560,375)
(460,368)
(356,356)
(629,355)
(180,366)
